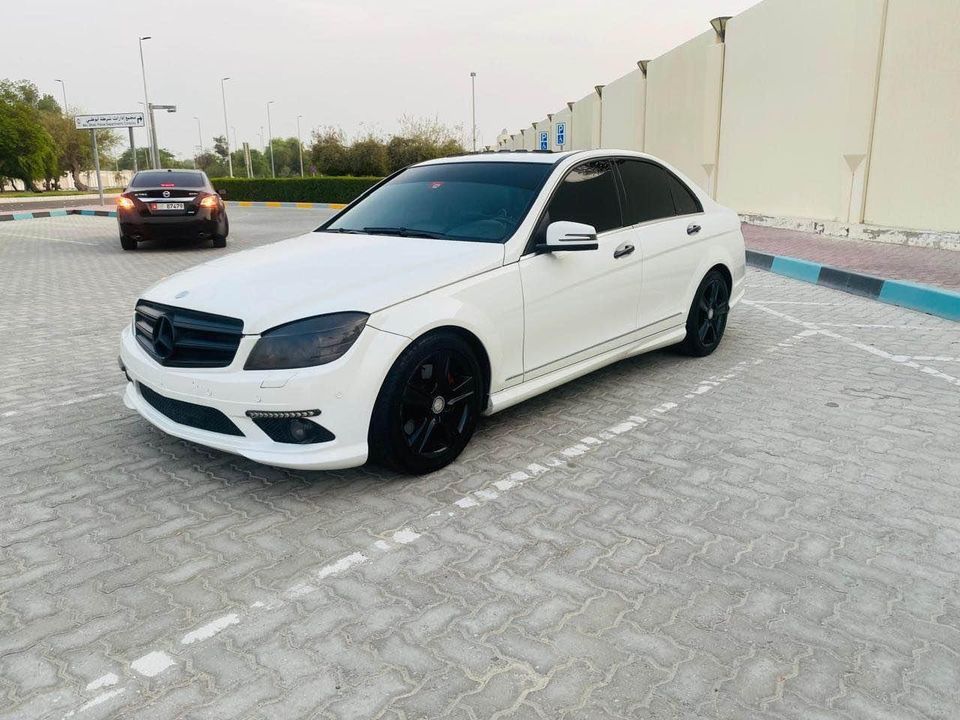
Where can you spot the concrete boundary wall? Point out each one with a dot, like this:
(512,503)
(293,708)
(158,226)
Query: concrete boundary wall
(843,111)
(585,113)
(623,104)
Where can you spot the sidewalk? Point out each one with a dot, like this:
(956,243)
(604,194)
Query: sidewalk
(9,205)
(926,266)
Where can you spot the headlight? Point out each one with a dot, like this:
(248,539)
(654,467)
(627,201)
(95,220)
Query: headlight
(305,343)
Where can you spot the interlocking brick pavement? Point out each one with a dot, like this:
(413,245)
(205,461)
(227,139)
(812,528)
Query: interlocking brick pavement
(928,266)
(770,532)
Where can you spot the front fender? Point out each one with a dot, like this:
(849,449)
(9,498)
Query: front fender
(490,306)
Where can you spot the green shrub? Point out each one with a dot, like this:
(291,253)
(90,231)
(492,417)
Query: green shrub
(310,189)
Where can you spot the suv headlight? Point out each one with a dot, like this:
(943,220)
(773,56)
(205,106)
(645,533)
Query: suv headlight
(305,343)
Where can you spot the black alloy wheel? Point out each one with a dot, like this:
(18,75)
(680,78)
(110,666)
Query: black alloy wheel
(707,319)
(429,405)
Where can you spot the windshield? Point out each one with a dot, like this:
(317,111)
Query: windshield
(476,201)
(167,179)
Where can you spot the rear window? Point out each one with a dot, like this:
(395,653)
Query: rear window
(168,179)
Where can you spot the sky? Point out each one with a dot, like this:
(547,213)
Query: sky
(359,65)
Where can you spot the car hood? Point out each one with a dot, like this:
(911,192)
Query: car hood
(320,273)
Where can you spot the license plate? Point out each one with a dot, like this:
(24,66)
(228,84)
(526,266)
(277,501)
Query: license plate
(169,206)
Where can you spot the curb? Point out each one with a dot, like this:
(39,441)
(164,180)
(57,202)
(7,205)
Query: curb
(59,212)
(272,204)
(924,298)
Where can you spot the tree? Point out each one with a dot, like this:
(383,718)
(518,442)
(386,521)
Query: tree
(328,153)
(367,157)
(27,151)
(167,159)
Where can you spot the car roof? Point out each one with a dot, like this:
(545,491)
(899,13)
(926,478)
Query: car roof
(544,157)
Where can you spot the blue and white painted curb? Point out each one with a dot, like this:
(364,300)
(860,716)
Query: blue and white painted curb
(925,298)
(58,212)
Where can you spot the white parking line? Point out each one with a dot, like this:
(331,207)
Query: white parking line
(819,328)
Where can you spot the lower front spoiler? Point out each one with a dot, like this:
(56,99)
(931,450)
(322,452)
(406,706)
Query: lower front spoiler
(298,457)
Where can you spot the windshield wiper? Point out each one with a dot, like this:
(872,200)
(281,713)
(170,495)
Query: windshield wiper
(404,232)
(340,230)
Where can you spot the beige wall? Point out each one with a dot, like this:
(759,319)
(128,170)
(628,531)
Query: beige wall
(621,121)
(834,110)
(586,123)
(797,107)
(529,139)
(915,169)
(563,116)
(683,107)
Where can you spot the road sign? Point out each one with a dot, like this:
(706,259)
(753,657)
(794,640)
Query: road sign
(561,134)
(109,120)
(544,140)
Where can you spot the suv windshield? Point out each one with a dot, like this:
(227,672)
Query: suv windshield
(475,201)
(162,178)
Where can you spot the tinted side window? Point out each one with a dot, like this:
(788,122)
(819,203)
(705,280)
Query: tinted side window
(647,187)
(685,201)
(588,195)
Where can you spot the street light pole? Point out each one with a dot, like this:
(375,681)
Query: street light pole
(473,106)
(151,137)
(226,125)
(63,86)
(273,169)
(300,144)
(199,133)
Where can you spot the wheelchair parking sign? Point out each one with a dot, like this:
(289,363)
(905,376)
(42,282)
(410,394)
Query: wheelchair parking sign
(561,134)
(544,140)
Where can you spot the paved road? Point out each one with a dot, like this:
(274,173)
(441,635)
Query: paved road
(770,532)
(930,266)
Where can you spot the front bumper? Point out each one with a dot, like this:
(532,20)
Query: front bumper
(344,391)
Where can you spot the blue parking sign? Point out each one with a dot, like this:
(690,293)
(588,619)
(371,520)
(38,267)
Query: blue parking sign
(561,134)
(544,140)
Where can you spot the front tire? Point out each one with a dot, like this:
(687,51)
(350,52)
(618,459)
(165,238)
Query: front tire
(429,405)
(707,318)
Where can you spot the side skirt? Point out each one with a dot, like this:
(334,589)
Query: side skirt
(518,393)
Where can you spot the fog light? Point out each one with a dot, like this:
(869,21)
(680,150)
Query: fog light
(293,430)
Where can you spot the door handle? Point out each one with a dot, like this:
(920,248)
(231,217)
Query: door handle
(693,229)
(622,250)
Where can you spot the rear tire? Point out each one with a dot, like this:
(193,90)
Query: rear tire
(428,406)
(128,243)
(707,318)
(220,241)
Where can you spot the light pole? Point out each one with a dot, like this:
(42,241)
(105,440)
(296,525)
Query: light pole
(226,125)
(199,134)
(63,86)
(273,169)
(153,128)
(300,144)
(151,133)
(473,106)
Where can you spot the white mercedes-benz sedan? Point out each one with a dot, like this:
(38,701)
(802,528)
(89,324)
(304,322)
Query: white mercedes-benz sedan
(452,289)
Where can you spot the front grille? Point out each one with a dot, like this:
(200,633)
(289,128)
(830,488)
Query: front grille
(187,338)
(184,413)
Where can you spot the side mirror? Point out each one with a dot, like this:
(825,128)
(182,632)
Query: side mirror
(566,236)
(222,193)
